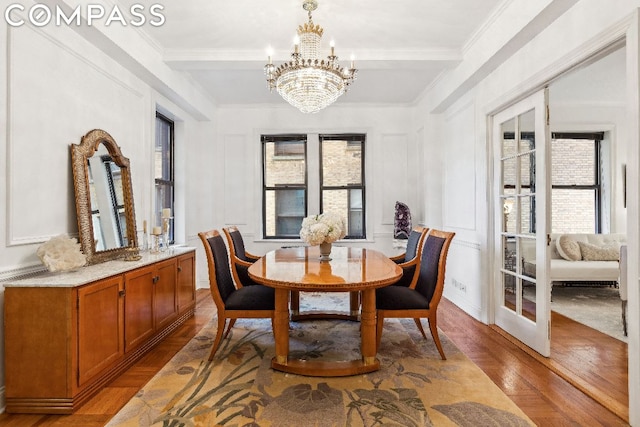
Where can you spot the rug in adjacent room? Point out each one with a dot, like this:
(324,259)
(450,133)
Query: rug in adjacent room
(414,387)
(598,307)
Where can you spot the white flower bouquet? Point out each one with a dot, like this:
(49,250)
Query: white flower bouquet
(324,228)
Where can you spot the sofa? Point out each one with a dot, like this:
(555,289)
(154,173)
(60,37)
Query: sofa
(579,257)
(572,267)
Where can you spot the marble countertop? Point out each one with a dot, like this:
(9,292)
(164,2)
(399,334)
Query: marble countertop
(94,272)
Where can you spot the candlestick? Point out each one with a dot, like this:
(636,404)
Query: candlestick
(165,233)
(143,243)
(155,243)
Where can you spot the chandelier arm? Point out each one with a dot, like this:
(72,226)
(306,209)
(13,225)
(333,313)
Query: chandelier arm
(308,82)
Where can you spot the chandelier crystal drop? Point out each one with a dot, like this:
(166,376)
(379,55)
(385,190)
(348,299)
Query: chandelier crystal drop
(308,82)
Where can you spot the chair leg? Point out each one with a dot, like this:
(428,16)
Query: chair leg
(216,343)
(294,303)
(231,323)
(354,303)
(419,325)
(433,326)
(379,325)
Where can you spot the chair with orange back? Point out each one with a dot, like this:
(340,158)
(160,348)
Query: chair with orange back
(232,303)
(410,259)
(240,258)
(421,298)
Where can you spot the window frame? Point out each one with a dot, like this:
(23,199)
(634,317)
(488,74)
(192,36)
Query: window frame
(597,138)
(166,183)
(283,138)
(350,138)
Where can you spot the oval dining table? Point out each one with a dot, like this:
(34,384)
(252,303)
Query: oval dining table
(300,269)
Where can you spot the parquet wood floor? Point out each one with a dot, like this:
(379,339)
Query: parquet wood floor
(547,398)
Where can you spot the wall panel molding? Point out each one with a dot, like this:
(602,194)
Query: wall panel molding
(460,182)
(393,178)
(27,222)
(237,180)
(466,244)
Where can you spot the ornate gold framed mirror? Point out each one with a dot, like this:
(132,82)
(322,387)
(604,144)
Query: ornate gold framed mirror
(104,197)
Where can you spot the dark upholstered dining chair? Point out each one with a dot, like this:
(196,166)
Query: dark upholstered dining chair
(232,303)
(241,260)
(421,298)
(410,259)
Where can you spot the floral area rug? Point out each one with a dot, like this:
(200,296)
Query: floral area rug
(414,387)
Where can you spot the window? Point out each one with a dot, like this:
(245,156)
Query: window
(337,182)
(163,169)
(576,183)
(284,185)
(342,179)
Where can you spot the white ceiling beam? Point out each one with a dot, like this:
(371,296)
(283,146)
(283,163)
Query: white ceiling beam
(512,27)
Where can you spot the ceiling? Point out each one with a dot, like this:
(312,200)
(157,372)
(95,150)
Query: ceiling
(400,46)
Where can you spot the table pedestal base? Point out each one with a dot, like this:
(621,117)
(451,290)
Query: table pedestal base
(325,369)
(352,315)
(328,368)
(324,315)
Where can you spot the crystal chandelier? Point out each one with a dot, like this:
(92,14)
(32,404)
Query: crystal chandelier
(308,82)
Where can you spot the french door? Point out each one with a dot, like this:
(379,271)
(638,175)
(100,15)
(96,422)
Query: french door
(521,139)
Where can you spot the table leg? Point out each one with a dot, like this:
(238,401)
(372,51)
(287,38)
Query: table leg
(368,326)
(281,325)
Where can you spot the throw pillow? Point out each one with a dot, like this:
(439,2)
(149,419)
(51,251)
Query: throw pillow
(592,252)
(568,248)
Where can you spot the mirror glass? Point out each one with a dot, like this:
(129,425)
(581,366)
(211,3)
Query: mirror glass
(104,198)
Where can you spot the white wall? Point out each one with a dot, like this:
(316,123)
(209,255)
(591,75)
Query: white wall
(392,157)
(587,27)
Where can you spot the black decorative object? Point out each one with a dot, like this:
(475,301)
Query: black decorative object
(402,221)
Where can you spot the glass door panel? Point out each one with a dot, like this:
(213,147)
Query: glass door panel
(521,133)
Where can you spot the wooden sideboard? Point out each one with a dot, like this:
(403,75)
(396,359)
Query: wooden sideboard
(69,334)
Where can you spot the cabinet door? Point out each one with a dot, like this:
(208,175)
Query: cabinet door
(164,294)
(186,282)
(138,323)
(100,327)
